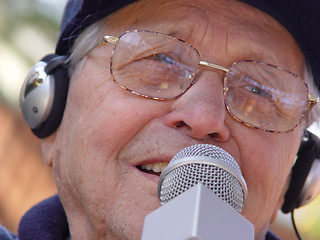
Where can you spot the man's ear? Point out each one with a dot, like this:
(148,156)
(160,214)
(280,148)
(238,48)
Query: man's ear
(47,149)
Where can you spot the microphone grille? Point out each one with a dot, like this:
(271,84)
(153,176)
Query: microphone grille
(206,164)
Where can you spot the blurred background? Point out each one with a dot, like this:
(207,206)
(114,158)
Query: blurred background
(28,31)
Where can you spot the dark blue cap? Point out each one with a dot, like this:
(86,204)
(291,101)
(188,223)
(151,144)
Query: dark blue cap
(300,17)
(79,14)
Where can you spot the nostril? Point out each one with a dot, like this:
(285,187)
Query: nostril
(213,135)
(181,124)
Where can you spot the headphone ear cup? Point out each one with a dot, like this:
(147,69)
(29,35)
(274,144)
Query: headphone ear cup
(44,94)
(304,175)
(61,84)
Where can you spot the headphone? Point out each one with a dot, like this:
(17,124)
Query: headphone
(44,93)
(42,101)
(304,184)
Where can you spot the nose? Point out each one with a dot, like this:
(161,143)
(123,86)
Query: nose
(201,112)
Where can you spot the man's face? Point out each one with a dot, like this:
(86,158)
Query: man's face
(108,132)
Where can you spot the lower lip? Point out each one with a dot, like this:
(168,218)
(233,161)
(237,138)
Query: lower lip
(152,177)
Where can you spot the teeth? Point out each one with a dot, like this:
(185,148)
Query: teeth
(156,167)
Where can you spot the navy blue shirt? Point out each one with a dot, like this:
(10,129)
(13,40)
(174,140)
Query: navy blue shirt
(47,220)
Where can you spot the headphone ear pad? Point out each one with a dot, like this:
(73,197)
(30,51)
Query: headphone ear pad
(307,154)
(60,77)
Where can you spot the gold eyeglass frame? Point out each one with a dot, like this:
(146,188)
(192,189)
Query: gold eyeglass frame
(312,100)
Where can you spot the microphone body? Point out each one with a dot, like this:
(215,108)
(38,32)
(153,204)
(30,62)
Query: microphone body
(202,191)
(196,214)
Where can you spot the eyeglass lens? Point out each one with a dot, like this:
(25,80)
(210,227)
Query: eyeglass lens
(159,66)
(264,96)
(154,65)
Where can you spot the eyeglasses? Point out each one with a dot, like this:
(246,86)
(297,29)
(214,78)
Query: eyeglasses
(162,67)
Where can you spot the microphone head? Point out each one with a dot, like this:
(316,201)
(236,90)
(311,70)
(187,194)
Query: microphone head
(206,164)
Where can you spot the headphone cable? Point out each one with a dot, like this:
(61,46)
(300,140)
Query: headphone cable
(295,226)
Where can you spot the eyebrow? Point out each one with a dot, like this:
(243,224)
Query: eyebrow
(262,57)
(173,34)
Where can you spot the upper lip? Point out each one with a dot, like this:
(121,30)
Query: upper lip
(155,159)
(156,150)
(153,151)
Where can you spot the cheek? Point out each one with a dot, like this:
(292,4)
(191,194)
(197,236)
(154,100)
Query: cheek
(109,127)
(96,126)
(264,155)
(108,119)
(270,159)
(107,115)
(266,160)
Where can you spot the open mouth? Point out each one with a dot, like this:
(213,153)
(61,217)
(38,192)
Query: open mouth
(154,168)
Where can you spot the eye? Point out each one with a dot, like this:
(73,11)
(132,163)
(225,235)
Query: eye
(164,58)
(258,91)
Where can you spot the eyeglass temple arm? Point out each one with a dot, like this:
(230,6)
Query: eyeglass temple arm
(312,101)
(104,40)
(108,39)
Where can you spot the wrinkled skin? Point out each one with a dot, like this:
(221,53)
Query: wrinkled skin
(106,131)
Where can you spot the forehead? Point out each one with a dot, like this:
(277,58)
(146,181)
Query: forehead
(193,12)
(214,25)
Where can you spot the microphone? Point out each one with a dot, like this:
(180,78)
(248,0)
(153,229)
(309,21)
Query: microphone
(207,164)
(202,192)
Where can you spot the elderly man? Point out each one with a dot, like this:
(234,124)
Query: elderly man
(149,78)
